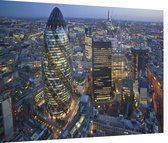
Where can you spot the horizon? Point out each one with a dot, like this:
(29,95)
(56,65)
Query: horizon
(14,9)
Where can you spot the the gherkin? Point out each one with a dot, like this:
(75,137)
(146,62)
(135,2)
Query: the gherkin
(57,69)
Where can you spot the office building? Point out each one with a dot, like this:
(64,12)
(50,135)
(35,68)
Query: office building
(127,97)
(118,65)
(104,125)
(155,77)
(102,80)
(143,87)
(88,43)
(57,69)
(139,61)
(6,117)
(6,112)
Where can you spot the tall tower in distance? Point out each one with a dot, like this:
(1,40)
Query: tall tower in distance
(57,67)
(108,15)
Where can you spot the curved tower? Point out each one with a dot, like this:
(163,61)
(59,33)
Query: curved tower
(57,69)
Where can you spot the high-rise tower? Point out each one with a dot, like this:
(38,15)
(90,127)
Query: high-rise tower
(57,69)
(102,81)
(139,60)
(88,43)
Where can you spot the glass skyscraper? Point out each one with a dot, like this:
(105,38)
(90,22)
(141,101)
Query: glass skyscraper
(57,69)
(102,81)
(139,61)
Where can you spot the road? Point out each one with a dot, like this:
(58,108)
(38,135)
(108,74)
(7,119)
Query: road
(56,126)
(74,109)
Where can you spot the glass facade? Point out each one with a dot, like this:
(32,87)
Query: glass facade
(139,61)
(118,65)
(57,69)
(102,81)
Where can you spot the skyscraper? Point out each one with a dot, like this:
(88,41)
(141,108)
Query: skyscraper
(118,64)
(88,43)
(127,97)
(102,81)
(139,60)
(57,69)
(6,117)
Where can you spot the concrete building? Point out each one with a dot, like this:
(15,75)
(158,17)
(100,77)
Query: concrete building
(6,117)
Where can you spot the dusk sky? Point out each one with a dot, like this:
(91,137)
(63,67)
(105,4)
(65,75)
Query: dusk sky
(29,9)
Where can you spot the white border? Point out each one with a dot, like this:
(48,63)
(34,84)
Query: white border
(145,4)
(142,4)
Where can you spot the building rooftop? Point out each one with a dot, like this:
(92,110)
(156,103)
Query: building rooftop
(127,83)
(79,76)
(78,49)
(84,99)
(157,71)
(140,49)
(56,19)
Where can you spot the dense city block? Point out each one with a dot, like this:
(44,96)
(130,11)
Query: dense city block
(64,77)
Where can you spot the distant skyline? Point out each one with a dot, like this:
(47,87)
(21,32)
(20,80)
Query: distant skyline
(35,10)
